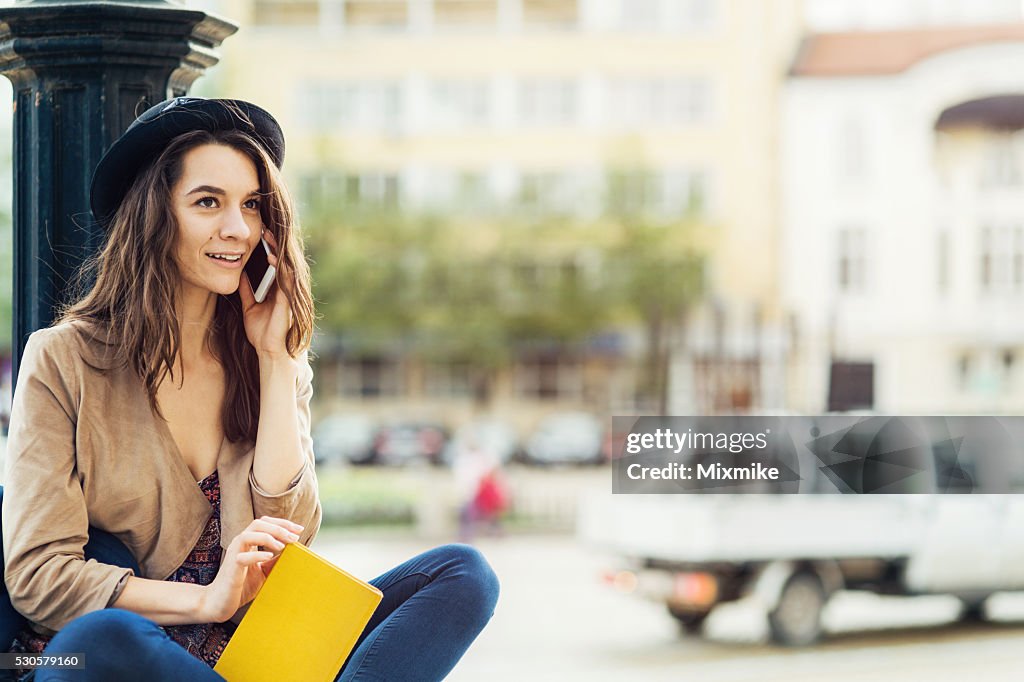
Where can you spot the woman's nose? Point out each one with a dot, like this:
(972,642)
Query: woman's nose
(235,225)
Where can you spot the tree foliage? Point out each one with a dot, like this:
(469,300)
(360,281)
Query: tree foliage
(480,290)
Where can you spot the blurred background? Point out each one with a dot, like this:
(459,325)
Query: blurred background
(526,216)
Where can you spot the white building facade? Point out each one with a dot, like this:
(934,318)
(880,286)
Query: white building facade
(902,250)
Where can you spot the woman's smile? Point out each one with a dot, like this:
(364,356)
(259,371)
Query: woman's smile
(227,262)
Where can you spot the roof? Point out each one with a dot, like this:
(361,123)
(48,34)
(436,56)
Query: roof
(872,53)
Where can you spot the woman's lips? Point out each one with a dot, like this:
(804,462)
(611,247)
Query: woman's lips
(236,265)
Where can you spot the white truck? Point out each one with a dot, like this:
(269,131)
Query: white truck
(790,553)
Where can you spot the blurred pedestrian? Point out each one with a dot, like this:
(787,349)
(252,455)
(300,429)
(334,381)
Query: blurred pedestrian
(483,492)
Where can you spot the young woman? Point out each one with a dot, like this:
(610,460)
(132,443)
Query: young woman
(170,409)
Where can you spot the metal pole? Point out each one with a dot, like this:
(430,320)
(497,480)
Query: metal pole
(82,70)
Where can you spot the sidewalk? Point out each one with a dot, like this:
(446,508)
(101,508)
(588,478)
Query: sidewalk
(556,621)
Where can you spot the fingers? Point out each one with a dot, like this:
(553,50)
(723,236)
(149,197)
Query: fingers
(269,532)
(266,566)
(251,538)
(256,558)
(280,281)
(245,292)
(272,241)
(268,523)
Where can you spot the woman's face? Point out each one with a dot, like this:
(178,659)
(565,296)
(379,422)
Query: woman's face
(216,204)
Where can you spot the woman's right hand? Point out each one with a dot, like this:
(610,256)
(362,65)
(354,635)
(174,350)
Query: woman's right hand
(244,567)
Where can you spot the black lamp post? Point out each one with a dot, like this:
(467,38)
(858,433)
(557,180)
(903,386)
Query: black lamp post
(81,71)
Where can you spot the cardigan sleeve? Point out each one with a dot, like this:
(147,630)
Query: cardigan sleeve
(45,521)
(300,502)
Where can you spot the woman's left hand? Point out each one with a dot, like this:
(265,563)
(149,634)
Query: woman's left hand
(267,323)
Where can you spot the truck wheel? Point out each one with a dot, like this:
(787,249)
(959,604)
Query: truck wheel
(973,610)
(796,619)
(690,622)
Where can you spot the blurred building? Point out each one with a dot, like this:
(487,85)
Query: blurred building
(489,105)
(903,210)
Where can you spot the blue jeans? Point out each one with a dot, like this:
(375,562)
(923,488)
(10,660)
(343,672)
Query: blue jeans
(434,606)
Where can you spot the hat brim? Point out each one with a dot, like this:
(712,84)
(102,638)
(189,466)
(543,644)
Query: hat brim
(150,133)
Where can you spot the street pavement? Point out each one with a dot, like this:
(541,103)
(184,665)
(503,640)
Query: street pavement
(556,620)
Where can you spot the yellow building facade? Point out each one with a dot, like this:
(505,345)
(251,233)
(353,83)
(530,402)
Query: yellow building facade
(488,104)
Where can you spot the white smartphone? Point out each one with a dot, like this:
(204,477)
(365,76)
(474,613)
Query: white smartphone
(260,272)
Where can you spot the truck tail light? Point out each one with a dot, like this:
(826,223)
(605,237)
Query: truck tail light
(699,589)
(622,581)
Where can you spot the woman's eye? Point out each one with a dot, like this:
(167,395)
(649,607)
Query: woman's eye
(207,202)
(252,203)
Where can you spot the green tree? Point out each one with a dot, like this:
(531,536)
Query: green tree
(656,267)
(476,290)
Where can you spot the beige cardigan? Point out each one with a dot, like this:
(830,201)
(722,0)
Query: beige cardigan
(86,449)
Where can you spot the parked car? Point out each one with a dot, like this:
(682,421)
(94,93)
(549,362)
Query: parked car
(493,435)
(410,442)
(566,438)
(344,438)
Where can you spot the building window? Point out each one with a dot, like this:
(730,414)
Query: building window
(286,13)
(666,15)
(370,377)
(376,15)
(379,189)
(674,193)
(550,13)
(852,265)
(670,101)
(471,191)
(323,106)
(685,192)
(697,14)
(963,371)
(1001,163)
(1001,266)
(449,380)
(985,371)
(460,14)
(547,191)
(548,102)
(942,261)
(456,190)
(368,107)
(852,151)
(330,189)
(322,189)
(549,378)
(456,104)
(640,14)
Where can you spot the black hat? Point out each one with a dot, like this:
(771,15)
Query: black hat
(147,136)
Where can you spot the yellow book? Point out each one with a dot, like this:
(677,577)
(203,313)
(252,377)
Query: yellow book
(302,624)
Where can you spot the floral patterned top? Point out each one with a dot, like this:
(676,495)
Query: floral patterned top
(205,641)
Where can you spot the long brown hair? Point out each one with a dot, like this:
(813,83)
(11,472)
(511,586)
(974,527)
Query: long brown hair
(132,303)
